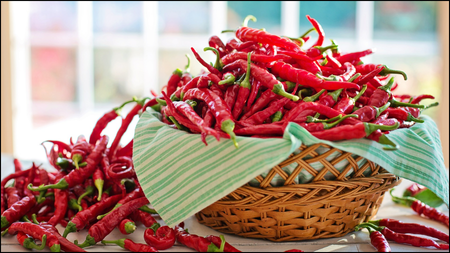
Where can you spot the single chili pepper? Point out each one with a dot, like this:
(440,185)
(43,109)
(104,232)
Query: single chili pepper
(206,65)
(218,241)
(229,58)
(12,195)
(128,244)
(17,210)
(401,114)
(80,150)
(28,242)
(310,66)
(143,217)
(346,104)
(272,129)
(172,84)
(81,219)
(244,91)
(363,79)
(234,44)
(351,57)
(90,189)
(330,98)
(412,228)
(36,231)
(305,78)
(367,68)
(421,208)
(224,119)
(331,61)
(198,243)
(378,240)
(419,98)
(160,238)
(381,138)
(66,245)
(76,177)
(99,181)
(267,79)
(102,228)
(127,226)
(381,95)
(127,170)
(319,30)
(219,64)
(368,113)
(348,132)
(217,43)
(403,238)
(299,56)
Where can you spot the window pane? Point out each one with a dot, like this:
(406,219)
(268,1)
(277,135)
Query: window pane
(117,16)
(409,20)
(118,74)
(338,22)
(183,17)
(53,69)
(267,13)
(52,16)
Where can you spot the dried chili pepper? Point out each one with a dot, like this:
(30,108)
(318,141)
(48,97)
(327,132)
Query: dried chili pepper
(403,238)
(412,228)
(76,177)
(128,244)
(36,231)
(421,208)
(102,228)
(160,238)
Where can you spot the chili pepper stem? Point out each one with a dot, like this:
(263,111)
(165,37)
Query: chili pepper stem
(88,242)
(370,128)
(29,244)
(385,140)
(228,127)
(120,242)
(279,90)
(71,227)
(99,185)
(62,184)
(246,19)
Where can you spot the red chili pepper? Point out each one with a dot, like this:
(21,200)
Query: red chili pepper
(127,226)
(66,245)
(266,97)
(36,231)
(61,202)
(330,98)
(234,44)
(319,30)
(198,243)
(102,228)
(403,238)
(421,208)
(294,250)
(352,57)
(206,65)
(128,244)
(272,129)
(412,228)
(159,237)
(287,72)
(401,114)
(367,68)
(260,36)
(81,219)
(348,132)
(76,177)
(28,242)
(143,217)
(17,210)
(345,105)
(259,117)
(419,98)
(119,170)
(229,58)
(136,193)
(414,189)
(368,113)
(217,43)
(321,126)
(99,181)
(381,95)
(300,56)
(244,91)
(218,242)
(12,195)
(80,150)
(172,84)
(267,79)
(224,119)
(379,242)
(230,96)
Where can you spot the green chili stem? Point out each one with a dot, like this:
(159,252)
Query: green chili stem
(314,97)
(120,242)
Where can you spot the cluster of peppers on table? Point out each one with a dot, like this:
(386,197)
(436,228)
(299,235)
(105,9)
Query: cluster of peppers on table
(259,83)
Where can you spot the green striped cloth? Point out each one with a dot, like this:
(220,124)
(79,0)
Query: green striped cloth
(180,175)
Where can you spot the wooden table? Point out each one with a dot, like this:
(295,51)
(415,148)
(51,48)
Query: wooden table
(352,242)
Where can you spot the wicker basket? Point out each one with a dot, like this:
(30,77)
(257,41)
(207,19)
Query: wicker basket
(294,212)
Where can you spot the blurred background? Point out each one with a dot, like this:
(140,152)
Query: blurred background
(66,63)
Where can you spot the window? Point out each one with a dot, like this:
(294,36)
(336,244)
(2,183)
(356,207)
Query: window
(75,60)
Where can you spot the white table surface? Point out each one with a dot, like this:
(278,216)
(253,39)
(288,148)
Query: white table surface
(352,242)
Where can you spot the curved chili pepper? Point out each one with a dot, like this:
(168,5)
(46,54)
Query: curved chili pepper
(244,91)
(351,57)
(79,150)
(218,241)
(367,68)
(229,58)
(216,42)
(403,238)
(319,30)
(28,241)
(251,34)
(66,245)
(102,228)
(346,104)
(381,138)
(160,238)
(99,181)
(305,78)
(228,78)
(76,177)
(267,79)
(12,195)
(128,172)
(419,98)
(381,95)
(81,219)
(206,65)
(17,210)
(172,84)
(219,64)
(321,126)
(136,193)
(198,243)
(378,240)
(401,114)
(61,202)
(224,119)
(127,226)
(368,113)
(348,132)
(128,244)
(412,228)
(89,189)
(421,208)
(143,217)
(234,44)
(36,231)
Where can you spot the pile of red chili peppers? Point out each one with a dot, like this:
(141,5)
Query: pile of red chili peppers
(258,84)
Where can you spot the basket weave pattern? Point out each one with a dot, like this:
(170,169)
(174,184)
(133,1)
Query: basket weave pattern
(295,212)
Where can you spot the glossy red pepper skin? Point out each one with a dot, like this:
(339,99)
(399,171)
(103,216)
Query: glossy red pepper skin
(217,241)
(353,57)
(36,231)
(260,36)
(164,238)
(127,226)
(195,242)
(267,129)
(217,43)
(234,44)
(421,208)
(17,210)
(66,245)
(319,30)
(259,117)
(172,84)
(378,240)
(101,124)
(12,195)
(61,202)
(229,58)
(231,95)
(419,98)
(410,239)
